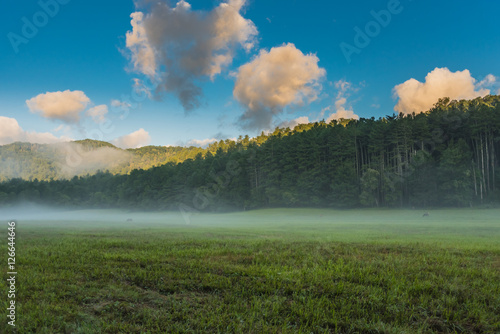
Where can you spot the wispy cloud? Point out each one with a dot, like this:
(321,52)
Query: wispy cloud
(120,104)
(341,109)
(98,113)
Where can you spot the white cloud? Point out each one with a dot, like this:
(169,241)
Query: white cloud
(98,113)
(176,46)
(65,106)
(342,110)
(488,81)
(201,142)
(275,79)
(135,139)
(415,96)
(10,132)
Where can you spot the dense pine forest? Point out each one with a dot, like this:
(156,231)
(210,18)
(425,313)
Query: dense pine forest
(447,156)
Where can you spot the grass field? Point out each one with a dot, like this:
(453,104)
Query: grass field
(266,271)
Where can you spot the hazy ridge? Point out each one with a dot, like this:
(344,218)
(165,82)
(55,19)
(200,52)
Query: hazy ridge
(45,162)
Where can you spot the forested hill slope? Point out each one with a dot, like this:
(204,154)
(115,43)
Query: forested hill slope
(448,156)
(66,160)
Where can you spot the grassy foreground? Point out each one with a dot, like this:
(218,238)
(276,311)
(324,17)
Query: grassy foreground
(267,271)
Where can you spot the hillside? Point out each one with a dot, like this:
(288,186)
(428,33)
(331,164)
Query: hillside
(66,160)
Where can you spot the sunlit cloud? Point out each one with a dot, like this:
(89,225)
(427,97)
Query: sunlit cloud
(341,109)
(135,139)
(273,80)
(294,122)
(416,96)
(201,142)
(65,106)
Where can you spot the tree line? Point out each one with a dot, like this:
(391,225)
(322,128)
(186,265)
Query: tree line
(447,156)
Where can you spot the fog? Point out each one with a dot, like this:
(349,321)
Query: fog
(33,215)
(441,227)
(77,160)
(68,159)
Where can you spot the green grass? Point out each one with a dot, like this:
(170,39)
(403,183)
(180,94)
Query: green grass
(267,271)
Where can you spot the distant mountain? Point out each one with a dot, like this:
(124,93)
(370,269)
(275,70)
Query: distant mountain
(66,160)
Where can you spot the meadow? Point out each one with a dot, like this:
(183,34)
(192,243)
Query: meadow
(264,271)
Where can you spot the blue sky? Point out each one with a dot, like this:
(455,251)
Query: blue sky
(83,48)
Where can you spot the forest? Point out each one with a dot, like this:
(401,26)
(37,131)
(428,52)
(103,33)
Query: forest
(445,157)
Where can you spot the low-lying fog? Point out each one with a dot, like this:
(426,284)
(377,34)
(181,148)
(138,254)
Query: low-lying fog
(477,228)
(40,215)
(349,225)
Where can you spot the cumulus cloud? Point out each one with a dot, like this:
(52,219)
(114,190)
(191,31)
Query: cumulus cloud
(98,113)
(135,139)
(65,106)
(341,110)
(275,79)
(11,131)
(415,96)
(177,46)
